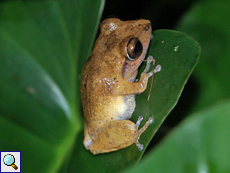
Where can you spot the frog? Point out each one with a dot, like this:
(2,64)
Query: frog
(109,85)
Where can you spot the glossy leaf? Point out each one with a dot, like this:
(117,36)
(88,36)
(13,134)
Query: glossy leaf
(178,54)
(208,22)
(199,144)
(43,46)
(39,48)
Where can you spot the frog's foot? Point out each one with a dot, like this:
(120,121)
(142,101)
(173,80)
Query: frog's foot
(150,121)
(155,70)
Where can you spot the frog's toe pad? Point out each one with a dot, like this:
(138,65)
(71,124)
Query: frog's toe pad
(157,69)
(151,119)
(140,147)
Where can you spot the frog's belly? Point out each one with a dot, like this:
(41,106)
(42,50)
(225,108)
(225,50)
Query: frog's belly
(114,108)
(123,107)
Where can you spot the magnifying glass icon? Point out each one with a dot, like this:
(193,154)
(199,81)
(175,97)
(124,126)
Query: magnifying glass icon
(9,160)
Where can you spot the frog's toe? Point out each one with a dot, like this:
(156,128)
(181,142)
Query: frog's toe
(139,146)
(140,118)
(150,73)
(157,68)
(149,60)
(151,119)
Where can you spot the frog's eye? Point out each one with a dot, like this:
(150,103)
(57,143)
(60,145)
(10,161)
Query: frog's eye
(134,48)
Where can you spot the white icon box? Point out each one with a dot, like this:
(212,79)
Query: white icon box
(10,161)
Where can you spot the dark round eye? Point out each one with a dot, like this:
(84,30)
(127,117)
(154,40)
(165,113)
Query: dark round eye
(134,48)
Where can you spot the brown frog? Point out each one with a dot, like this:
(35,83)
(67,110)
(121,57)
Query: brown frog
(108,85)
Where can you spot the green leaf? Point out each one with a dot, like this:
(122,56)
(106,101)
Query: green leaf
(178,54)
(208,22)
(43,46)
(199,144)
(41,43)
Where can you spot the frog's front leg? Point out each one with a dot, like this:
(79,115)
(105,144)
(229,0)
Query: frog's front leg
(118,134)
(131,88)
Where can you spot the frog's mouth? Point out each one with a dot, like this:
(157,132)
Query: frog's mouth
(130,68)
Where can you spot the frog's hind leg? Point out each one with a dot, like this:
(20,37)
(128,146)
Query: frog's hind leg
(118,134)
(87,140)
(150,121)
